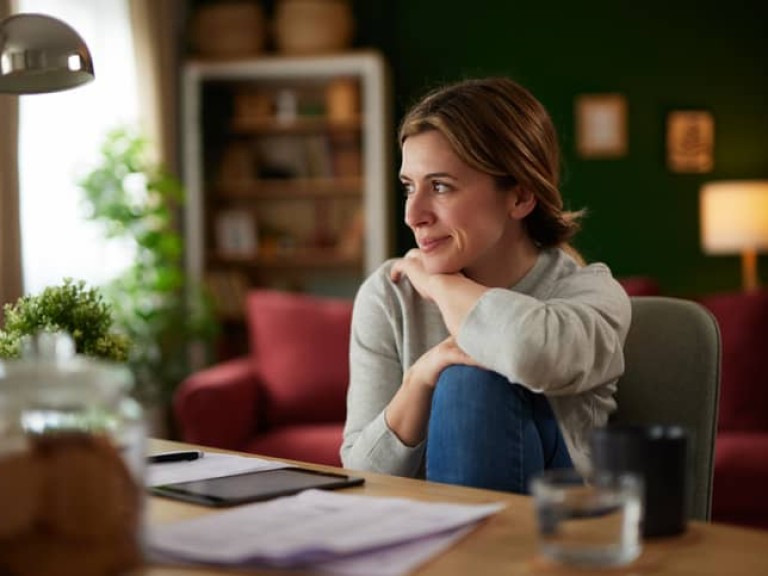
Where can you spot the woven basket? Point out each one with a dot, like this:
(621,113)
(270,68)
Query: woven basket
(313,26)
(229,29)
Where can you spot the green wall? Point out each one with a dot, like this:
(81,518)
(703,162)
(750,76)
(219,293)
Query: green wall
(676,54)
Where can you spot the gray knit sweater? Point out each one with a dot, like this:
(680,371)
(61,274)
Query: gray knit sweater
(560,331)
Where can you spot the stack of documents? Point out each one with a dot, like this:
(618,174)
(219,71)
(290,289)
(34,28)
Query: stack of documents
(329,531)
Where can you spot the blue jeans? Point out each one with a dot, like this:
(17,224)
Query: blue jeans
(487,432)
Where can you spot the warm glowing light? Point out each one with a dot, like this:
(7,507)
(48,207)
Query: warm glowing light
(734,220)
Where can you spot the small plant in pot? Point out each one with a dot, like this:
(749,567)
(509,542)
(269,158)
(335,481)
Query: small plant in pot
(71,307)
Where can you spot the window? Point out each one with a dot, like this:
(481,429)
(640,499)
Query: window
(59,139)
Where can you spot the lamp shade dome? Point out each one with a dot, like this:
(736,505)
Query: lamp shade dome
(39,53)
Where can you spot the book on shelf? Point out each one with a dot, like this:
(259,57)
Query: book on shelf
(346,155)
(318,155)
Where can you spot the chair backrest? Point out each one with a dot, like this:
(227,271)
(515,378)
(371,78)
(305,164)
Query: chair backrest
(672,376)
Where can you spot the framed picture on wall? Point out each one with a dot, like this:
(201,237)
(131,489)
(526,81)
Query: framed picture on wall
(601,125)
(690,141)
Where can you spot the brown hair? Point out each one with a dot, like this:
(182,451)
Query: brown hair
(498,127)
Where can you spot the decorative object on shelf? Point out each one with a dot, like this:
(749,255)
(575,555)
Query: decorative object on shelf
(601,125)
(690,141)
(281,156)
(229,29)
(236,234)
(313,26)
(342,100)
(39,53)
(734,220)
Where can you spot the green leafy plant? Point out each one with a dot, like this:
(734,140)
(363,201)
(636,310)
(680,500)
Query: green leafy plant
(155,306)
(71,307)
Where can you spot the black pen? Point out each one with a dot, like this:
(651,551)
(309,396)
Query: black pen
(178,456)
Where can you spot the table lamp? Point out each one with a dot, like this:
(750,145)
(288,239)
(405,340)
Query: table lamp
(734,220)
(39,53)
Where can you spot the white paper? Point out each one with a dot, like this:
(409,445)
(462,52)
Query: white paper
(211,465)
(396,560)
(309,528)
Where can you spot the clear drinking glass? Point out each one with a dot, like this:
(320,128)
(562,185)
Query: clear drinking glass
(588,524)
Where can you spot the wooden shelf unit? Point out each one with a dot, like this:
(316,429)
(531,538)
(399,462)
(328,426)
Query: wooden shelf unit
(306,189)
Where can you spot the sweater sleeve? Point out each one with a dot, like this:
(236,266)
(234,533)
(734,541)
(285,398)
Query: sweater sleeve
(568,343)
(376,373)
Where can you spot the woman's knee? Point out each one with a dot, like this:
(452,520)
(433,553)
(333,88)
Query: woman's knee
(488,432)
(474,429)
(468,398)
(474,387)
(462,380)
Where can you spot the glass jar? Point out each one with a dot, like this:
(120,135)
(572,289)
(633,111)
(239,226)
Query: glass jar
(72,453)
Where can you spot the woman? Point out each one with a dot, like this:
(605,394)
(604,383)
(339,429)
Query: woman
(489,352)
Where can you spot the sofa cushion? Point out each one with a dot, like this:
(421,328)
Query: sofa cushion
(300,344)
(317,443)
(743,321)
(741,474)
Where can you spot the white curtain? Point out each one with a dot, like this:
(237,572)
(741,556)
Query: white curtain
(60,137)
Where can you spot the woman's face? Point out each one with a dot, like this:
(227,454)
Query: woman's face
(460,220)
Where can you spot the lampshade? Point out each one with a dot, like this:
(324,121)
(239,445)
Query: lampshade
(734,220)
(734,216)
(39,54)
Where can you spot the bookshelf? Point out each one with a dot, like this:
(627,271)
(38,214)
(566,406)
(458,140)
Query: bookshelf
(286,162)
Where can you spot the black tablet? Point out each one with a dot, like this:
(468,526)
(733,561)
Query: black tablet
(254,486)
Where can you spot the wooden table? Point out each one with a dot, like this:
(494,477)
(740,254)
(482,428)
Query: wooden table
(506,542)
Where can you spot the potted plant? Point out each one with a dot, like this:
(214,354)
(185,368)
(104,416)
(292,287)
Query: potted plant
(154,304)
(71,307)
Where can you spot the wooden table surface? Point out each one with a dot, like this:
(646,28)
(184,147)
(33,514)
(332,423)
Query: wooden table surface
(506,542)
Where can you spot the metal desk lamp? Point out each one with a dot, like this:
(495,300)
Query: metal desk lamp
(39,53)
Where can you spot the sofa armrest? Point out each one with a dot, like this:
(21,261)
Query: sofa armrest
(217,406)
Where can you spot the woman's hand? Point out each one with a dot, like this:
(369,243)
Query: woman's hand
(412,267)
(426,370)
(408,413)
(454,293)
